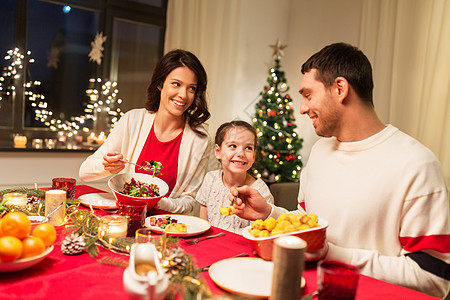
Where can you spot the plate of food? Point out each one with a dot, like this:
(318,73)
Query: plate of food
(99,200)
(23,263)
(177,225)
(248,276)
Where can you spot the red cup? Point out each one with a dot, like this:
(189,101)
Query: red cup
(136,212)
(67,184)
(337,281)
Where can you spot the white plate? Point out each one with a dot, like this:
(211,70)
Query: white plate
(99,200)
(24,263)
(194,225)
(247,276)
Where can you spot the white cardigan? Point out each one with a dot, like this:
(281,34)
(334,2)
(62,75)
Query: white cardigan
(128,137)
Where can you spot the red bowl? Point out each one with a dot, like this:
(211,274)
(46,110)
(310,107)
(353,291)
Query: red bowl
(117,182)
(314,237)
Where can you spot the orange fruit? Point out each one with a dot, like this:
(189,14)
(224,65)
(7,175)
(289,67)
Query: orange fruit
(1,232)
(16,224)
(10,248)
(46,232)
(32,246)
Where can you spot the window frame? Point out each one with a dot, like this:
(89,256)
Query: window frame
(108,10)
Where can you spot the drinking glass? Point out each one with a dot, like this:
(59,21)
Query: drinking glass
(135,211)
(67,184)
(157,238)
(337,281)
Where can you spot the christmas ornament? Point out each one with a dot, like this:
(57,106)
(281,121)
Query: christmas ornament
(96,53)
(265,173)
(278,49)
(73,244)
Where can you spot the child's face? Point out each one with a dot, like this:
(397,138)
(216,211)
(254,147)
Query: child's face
(237,152)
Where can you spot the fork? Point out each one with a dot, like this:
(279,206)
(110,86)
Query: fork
(206,268)
(139,166)
(195,241)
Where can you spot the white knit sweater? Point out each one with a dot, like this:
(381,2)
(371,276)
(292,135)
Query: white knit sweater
(384,197)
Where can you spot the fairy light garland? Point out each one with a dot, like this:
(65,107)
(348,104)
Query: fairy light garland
(103,98)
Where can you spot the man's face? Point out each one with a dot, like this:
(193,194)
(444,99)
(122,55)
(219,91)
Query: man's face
(320,105)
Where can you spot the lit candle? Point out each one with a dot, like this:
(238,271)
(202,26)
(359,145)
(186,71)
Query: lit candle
(101,138)
(113,226)
(53,198)
(20,141)
(17,199)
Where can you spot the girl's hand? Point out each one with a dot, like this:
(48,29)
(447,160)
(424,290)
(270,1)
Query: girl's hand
(113,162)
(249,203)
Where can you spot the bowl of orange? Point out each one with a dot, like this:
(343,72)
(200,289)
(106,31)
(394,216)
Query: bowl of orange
(309,228)
(20,246)
(138,186)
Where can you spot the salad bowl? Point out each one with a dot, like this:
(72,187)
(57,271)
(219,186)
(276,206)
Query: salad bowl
(117,182)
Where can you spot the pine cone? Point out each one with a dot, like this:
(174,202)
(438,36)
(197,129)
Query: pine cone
(32,200)
(73,244)
(176,260)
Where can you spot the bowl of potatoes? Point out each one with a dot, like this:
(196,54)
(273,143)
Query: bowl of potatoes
(308,227)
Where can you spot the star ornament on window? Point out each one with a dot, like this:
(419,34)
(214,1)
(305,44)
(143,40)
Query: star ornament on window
(278,49)
(96,53)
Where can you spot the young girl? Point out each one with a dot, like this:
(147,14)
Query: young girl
(235,149)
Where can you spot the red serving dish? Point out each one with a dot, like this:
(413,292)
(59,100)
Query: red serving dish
(314,237)
(117,181)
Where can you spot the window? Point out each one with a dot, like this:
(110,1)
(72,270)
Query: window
(55,38)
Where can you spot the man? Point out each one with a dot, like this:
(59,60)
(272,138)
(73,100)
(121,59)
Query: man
(381,191)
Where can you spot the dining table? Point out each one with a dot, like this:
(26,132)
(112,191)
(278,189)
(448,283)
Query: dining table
(61,276)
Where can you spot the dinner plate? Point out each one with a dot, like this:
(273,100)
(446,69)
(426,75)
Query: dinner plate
(249,276)
(24,263)
(194,225)
(99,200)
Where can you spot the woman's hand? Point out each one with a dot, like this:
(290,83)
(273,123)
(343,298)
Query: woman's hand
(249,203)
(113,162)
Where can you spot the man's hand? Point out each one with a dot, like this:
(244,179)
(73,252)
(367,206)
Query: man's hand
(113,162)
(249,203)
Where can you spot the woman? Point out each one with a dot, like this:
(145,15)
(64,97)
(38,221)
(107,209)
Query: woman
(169,130)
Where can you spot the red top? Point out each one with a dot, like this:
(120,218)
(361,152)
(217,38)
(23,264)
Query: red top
(163,152)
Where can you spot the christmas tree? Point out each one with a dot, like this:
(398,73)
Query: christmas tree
(277,158)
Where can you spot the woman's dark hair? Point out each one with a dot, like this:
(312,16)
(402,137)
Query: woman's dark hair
(223,129)
(198,112)
(341,59)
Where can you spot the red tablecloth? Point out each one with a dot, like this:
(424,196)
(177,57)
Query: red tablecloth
(60,276)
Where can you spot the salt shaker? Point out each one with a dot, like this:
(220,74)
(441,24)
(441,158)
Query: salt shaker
(288,264)
(53,208)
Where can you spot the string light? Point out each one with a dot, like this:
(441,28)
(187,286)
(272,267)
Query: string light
(102,101)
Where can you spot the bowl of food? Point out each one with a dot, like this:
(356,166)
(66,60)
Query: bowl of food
(138,186)
(309,228)
(36,220)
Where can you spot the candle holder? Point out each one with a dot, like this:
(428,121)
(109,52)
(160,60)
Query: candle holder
(50,143)
(20,141)
(17,199)
(112,226)
(37,143)
(67,184)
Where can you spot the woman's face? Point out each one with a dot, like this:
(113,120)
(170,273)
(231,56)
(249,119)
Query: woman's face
(178,91)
